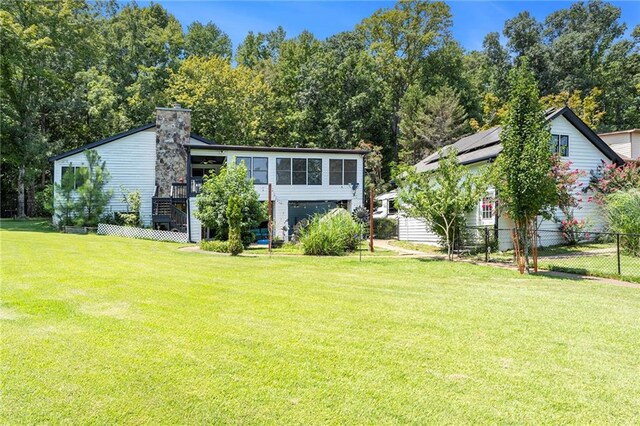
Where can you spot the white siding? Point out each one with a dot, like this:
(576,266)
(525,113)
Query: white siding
(412,229)
(195,228)
(131,162)
(584,156)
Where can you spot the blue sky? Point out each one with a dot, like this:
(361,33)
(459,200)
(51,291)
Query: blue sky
(471,19)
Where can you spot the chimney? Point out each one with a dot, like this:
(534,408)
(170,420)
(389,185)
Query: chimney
(173,130)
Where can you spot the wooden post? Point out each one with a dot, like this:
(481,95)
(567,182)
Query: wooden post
(371,220)
(270,212)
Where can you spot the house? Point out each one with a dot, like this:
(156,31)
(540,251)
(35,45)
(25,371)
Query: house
(167,163)
(572,139)
(626,143)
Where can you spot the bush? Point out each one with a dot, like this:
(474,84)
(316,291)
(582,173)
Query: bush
(215,245)
(333,234)
(385,228)
(623,210)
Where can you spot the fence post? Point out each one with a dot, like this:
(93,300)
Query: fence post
(486,243)
(618,252)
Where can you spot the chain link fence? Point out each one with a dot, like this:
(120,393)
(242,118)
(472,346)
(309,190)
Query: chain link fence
(603,254)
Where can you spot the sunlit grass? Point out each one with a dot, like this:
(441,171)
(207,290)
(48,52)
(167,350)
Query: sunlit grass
(106,330)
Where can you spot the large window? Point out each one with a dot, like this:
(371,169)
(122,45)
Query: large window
(560,145)
(343,172)
(299,171)
(78,177)
(283,171)
(299,176)
(257,168)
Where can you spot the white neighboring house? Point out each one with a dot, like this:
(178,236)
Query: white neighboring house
(626,143)
(571,138)
(166,163)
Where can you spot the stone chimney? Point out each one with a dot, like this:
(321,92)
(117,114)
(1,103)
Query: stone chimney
(173,130)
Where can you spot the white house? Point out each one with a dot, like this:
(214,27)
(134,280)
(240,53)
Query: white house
(626,143)
(167,163)
(571,138)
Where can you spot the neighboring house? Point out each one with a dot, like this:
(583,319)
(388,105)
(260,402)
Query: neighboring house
(571,138)
(626,143)
(387,207)
(167,163)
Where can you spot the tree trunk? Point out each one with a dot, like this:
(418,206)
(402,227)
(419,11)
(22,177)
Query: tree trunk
(21,195)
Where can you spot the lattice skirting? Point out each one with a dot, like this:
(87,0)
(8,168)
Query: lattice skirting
(145,234)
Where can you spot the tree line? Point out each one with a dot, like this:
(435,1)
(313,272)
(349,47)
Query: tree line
(75,71)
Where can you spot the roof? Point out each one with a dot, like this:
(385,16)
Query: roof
(208,145)
(619,132)
(103,141)
(485,145)
(220,147)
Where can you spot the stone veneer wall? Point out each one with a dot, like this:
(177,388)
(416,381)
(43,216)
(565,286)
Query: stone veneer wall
(173,130)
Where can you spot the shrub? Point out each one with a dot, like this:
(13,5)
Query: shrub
(133,200)
(623,210)
(215,245)
(333,234)
(385,228)
(573,230)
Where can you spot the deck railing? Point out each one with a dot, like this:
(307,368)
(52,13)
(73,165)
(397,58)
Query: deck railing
(178,190)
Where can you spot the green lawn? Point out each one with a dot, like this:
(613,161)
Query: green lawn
(108,330)
(425,248)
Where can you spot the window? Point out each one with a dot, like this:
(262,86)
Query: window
(299,171)
(350,171)
(260,170)
(78,176)
(343,172)
(560,145)
(314,171)
(283,171)
(487,208)
(257,168)
(335,172)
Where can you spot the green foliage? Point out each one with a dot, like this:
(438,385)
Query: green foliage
(385,228)
(623,212)
(44,200)
(92,195)
(206,40)
(214,196)
(332,234)
(441,198)
(215,245)
(133,200)
(524,168)
(236,97)
(65,204)
(429,122)
(234,219)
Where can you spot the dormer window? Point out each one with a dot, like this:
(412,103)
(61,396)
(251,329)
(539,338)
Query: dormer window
(560,145)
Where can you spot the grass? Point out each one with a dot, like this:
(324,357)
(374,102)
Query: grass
(425,248)
(102,330)
(594,259)
(296,249)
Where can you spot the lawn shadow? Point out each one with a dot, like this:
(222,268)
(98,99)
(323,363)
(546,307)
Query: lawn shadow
(27,225)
